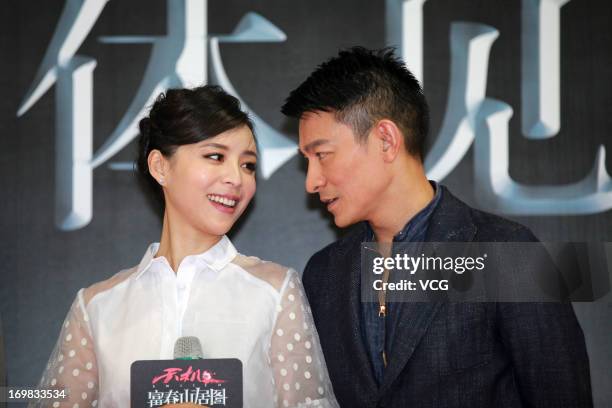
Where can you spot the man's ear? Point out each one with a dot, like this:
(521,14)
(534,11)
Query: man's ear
(158,166)
(389,139)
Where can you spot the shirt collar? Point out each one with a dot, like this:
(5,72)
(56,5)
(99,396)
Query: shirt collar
(415,225)
(216,257)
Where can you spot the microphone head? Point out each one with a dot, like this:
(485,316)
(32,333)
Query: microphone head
(188,348)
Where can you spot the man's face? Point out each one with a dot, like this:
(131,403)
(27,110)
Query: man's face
(348,176)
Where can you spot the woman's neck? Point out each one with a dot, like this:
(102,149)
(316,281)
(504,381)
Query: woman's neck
(179,240)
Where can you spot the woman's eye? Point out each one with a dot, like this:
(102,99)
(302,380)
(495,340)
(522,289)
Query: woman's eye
(321,155)
(214,156)
(251,167)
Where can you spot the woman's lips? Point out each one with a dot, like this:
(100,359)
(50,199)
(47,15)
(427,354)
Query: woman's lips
(223,208)
(224,203)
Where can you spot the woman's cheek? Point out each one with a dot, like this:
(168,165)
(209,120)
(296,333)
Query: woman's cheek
(252,189)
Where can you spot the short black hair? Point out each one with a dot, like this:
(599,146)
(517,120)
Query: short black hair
(361,86)
(184,116)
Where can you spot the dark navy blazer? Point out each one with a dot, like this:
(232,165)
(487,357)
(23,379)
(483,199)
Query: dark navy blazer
(449,354)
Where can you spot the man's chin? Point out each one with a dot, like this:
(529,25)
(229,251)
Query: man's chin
(343,222)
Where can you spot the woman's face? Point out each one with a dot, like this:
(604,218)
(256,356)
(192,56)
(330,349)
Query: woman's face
(209,184)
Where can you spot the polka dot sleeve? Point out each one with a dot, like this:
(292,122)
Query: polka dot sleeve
(72,365)
(300,374)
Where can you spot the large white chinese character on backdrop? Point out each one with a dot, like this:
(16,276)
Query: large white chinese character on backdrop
(180,58)
(471,117)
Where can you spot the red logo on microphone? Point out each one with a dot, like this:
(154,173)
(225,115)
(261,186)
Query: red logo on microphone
(189,375)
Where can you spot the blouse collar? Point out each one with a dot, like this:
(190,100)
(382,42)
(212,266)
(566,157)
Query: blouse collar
(216,257)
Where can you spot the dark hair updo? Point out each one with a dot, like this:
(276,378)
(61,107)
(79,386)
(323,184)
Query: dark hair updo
(185,116)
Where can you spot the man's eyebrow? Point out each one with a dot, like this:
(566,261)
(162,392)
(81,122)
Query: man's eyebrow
(313,144)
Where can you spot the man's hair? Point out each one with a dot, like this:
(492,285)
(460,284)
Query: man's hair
(361,87)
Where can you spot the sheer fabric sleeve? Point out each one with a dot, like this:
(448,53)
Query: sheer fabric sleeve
(300,374)
(72,365)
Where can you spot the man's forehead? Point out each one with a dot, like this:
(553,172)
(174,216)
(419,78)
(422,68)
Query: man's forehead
(318,118)
(310,129)
(313,125)
(319,127)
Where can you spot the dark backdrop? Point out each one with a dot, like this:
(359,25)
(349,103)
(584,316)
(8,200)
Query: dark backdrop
(42,267)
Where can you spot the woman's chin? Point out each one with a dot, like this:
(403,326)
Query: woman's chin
(216,230)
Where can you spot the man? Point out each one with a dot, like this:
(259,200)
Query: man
(363,120)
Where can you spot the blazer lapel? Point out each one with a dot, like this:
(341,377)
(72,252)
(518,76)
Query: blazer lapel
(450,221)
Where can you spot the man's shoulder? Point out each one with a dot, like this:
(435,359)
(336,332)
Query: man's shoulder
(493,228)
(351,240)
(326,252)
(489,227)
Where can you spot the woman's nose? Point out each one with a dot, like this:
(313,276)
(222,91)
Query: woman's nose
(232,174)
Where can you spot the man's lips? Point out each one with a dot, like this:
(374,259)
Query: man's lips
(329,202)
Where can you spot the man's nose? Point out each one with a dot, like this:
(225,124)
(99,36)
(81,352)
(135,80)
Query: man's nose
(314,178)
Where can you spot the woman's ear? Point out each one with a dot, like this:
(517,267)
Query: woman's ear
(157,166)
(389,139)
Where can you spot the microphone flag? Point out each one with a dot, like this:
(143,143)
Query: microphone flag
(188,378)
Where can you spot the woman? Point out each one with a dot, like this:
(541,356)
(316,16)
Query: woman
(198,153)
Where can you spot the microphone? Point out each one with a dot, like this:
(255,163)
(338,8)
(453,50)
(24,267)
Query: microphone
(188,348)
(187,378)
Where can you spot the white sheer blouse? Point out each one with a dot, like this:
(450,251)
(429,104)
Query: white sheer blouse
(239,307)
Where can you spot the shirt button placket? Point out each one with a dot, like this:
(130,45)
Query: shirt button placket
(167,280)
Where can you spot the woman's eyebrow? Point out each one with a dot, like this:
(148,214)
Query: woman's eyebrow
(217,145)
(225,147)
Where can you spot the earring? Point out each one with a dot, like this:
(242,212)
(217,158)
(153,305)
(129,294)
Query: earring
(161,181)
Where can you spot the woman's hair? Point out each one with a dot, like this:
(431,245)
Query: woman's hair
(184,116)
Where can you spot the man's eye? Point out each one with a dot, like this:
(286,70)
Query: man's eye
(214,156)
(321,155)
(251,167)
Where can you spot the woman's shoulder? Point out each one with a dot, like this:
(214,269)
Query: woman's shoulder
(106,285)
(274,274)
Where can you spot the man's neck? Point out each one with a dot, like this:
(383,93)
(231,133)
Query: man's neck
(402,201)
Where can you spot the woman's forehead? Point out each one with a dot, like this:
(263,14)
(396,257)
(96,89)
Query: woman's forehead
(239,139)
